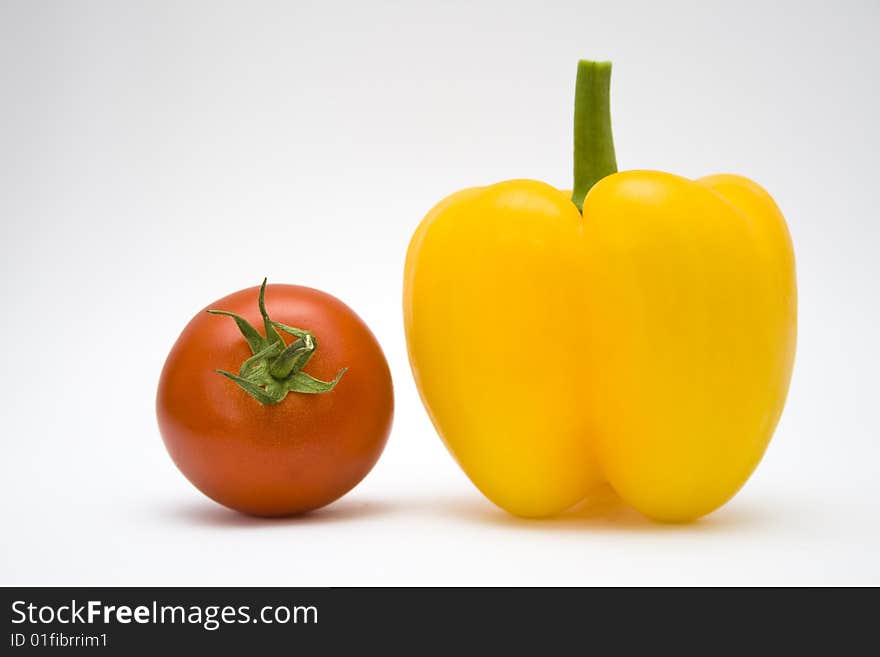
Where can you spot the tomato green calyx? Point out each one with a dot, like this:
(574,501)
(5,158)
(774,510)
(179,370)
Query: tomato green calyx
(275,368)
(594,156)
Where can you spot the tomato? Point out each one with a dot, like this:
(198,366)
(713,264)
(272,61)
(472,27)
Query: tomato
(289,457)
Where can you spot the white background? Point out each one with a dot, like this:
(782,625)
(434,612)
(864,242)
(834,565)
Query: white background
(154,158)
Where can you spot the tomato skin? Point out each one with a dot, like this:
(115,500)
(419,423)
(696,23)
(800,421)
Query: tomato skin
(285,458)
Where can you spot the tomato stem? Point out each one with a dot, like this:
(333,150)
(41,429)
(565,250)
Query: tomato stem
(593,141)
(275,368)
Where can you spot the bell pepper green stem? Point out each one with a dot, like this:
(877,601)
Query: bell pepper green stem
(593,141)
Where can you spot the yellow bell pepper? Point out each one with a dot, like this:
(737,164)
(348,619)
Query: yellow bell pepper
(639,331)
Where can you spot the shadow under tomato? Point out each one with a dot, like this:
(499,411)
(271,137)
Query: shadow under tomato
(207,513)
(604,512)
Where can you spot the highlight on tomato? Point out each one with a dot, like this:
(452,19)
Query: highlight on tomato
(280,421)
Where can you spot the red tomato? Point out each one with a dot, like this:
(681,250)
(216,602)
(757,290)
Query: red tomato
(280,458)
